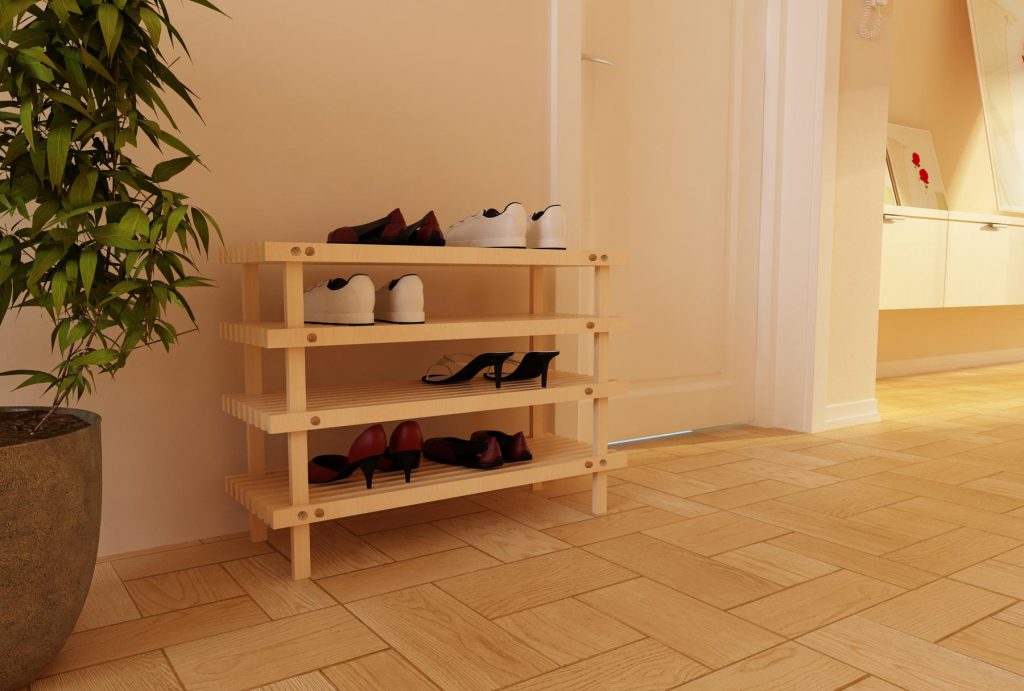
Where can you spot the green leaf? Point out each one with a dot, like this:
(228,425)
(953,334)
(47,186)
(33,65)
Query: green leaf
(152,21)
(43,262)
(12,8)
(134,223)
(59,289)
(102,356)
(87,267)
(27,123)
(82,188)
(174,219)
(57,146)
(109,16)
(168,169)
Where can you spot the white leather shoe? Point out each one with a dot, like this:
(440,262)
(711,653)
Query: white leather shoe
(340,301)
(490,228)
(546,229)
(401,301)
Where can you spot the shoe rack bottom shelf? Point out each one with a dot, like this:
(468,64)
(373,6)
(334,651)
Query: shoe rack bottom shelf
(554,458)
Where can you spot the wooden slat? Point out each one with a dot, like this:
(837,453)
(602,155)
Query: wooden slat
(406,255)
(407,400)
(277,335)
(268,496)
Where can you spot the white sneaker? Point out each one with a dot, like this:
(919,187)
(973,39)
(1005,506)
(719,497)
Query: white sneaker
(401,301)
(490,228)
(340,301)
(546,229)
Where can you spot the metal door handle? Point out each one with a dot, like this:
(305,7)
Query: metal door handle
(601,61)
(993,227)
(892,218)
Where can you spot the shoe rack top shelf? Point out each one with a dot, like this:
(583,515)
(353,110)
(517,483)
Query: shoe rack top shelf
(324,253)
(363,404)
(277,335)
(554,458)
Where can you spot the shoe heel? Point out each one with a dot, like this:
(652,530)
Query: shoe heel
(407,460)
(368,465)
(497,374)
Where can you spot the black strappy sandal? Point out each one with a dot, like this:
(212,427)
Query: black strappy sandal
(469,367)
(533,364)
(480,455)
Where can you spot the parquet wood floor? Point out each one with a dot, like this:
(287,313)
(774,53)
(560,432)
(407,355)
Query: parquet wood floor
(883,556)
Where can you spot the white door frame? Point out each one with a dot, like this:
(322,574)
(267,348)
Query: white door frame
(801,104)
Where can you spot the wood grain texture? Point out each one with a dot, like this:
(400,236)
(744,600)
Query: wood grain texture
(311,681)
(747,494)
(854,560)
(413,541)
(336,550)
(449,642)
(952,551)
(567,631)
(716,533)
(937,609)
(998,576)
(642,666)
(534,582)
(149,671)
(500,537)
(905,660)
(182,589)
(152,633)
(403,574)
(714,582)
(775,564)
(188,558)
(660,500)
(108,601)
(529,509)
(384,670)
(276,650)
(708,635)
(787,666)
(813,604)
(613,525)
(267,581)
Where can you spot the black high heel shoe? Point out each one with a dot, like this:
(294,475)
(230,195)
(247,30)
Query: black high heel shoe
(534,364)
(469,369)
(365,453)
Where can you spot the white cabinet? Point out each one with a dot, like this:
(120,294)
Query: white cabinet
(913,263)
(936,258)
(979,267)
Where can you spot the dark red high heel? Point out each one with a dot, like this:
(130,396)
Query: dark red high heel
(383,231)
(426,231)
(482,455)
(365,453)
(404,449)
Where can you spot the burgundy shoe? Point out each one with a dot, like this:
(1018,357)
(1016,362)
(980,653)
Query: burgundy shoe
(426,231)
(513,446)
(482,455)
(364,454)
(383,231)
(404,449)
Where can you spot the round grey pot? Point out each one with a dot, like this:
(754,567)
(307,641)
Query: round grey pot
(50,494)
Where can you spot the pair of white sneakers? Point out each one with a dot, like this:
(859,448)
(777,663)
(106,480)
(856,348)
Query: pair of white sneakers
(510,228)
(353,301)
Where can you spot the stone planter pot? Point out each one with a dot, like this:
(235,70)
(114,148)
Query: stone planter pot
(50,494)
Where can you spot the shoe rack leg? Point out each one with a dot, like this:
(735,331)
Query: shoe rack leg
(295,396)
(599,486)
(540,416)
(254,446)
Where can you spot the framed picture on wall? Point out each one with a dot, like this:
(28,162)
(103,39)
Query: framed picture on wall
(915,168)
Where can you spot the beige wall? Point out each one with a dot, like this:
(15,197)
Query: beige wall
(857,238)
(330,115)
(935,87)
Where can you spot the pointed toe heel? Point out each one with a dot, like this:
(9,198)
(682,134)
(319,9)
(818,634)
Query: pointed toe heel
(532,365)
(368,466)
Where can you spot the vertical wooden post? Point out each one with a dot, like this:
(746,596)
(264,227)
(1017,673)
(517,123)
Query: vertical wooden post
(254,446)
(295,395)
(539,423)
(602,297)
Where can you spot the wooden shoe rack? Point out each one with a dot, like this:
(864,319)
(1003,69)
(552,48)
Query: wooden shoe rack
(284,499)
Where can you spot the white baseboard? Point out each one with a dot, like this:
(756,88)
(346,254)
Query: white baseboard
(943,363)
(851,413)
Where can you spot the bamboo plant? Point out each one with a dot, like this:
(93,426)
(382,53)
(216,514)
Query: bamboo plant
(99,243)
